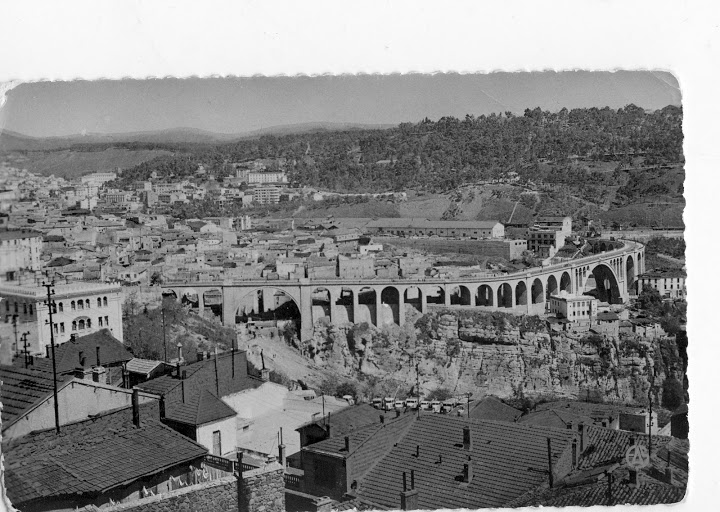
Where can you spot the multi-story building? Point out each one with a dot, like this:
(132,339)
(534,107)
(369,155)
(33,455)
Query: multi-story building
(99,178)
(444,228)
(19,250)
(548,235)
(669,283)
(80,308)
(266,195)
(255,177)
(575,308)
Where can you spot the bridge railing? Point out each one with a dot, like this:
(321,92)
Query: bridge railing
(628,246)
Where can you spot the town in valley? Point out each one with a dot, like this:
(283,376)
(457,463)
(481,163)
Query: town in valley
(472,311)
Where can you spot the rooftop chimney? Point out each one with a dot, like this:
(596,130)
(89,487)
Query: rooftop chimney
(136,407)
(99,374)
(409,497)
(97,354)
(574,453)
(162,407)
(265,375)
(633,478)
(81,358)
(581,430)
(347,444)
(468,471)
(467,438)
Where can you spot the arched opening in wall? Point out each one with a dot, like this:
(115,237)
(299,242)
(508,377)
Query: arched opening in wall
(630,274)
(435,295)
(484,296)
(603,285)
(269,312)
(504,296)
(536,292)
(190,298)
(367,306)
(565,283)
(213,300)
(460,296)
(169,294)
(413,297)
(552,288)
(520,294)
(603,247)
(390,302)
(321,305)
(344,306)
(610,247)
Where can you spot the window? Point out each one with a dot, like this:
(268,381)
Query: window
(107,322)
(74,325)
(87,303)
(99,302)
(60,305)
(72,305)
(100,324)
(105,301)
(30,308)
(55,328)
(16,307)
(62,327)
(24,309)
(89,324)
(81,325)
(217,446)
(80,304)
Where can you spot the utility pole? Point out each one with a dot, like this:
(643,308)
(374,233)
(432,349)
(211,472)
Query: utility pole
(162,311)
(50,303)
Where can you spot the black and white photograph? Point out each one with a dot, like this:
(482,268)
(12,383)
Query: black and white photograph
(347,291)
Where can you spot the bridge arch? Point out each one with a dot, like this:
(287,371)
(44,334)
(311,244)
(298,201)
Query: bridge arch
(213,300)
(321,304)
(413,296)
(390,300)
(505,296)
(190,297)
(460,295)
(536,292)
(344,306)
(367,306)
(521,294)
(565,283)
(484,296)
(266,303)
(435,295)
(551,288)
(605,284)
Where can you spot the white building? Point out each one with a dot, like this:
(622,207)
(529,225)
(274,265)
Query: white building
(19,249)
(575,308)
(259,178)
(266,195)
(669,283)
(80,308)
(99,178)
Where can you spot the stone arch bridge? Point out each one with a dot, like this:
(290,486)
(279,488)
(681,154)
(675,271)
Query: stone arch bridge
(614,270)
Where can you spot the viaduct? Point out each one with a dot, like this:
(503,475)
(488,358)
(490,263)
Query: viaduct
(614,268)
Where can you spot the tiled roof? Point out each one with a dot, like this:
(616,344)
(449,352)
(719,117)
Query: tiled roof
(349,419)
(143,366)
(647,492)
(491,408)
(21,389)
(201,407)
(508,459)
(605,445)
(557,418)
(93,456)
(112,351)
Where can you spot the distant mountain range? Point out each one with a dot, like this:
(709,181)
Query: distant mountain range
(13,141)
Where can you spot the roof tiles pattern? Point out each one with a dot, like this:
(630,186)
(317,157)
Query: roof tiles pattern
(21,389)
(200,408)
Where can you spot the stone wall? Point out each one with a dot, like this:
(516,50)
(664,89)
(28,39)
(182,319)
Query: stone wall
(261,490)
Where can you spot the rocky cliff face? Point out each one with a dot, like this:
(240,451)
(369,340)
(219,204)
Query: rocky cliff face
(499,354)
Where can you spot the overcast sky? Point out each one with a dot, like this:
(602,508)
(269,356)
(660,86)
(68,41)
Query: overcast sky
(236,105)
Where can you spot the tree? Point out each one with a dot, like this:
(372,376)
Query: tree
(672,393)
(156,279)
(440,394)
(346,388)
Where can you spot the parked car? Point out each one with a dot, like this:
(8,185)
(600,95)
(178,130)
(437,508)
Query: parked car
(447,406)
(377,403)
(389,403)
(436,405)
(425,405)
(412,403)
(349,399)
(399,404)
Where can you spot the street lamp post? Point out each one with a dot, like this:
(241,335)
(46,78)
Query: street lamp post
(50,303)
